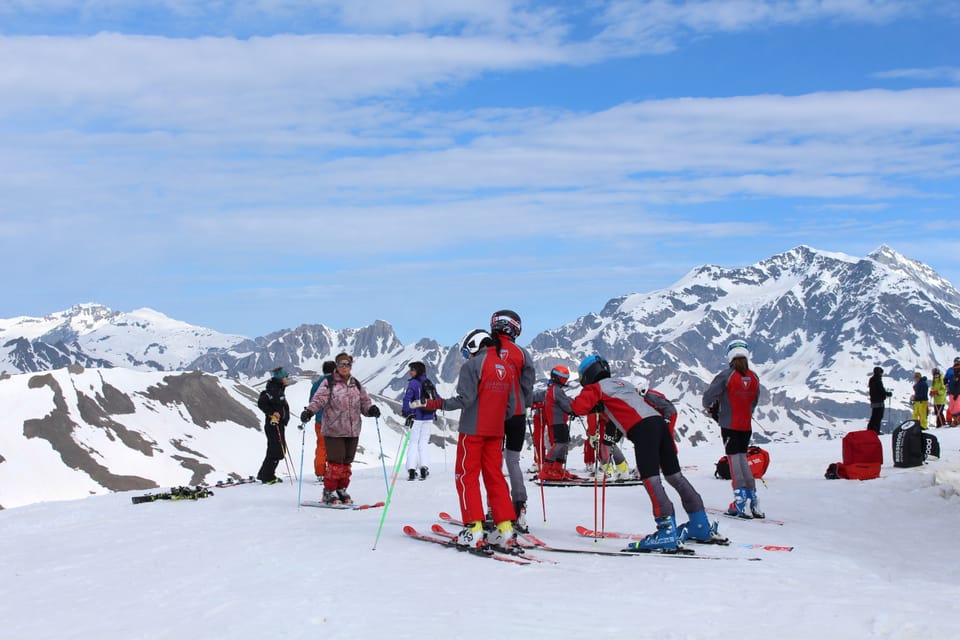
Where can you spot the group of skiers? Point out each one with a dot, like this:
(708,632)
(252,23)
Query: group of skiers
(943,390)
(494,391)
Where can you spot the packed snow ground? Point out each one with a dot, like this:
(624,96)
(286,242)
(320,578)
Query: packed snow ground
(875,559)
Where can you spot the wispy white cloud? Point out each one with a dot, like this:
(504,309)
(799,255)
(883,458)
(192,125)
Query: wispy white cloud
(949,74)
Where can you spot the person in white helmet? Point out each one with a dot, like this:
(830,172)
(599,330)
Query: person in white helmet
(731,398)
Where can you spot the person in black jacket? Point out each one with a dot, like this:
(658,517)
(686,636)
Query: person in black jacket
(878,395)
(273,403)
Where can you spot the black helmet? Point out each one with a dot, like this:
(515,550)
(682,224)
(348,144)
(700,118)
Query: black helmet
(592,369)
(506,322)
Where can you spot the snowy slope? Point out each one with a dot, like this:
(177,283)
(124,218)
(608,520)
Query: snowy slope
(874,559)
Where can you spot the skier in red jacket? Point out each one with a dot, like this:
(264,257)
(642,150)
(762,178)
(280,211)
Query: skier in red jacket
(486,396)
(731,398)
(650,434)
(556,415)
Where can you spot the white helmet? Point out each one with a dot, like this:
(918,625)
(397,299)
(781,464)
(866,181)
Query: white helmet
(475,340)
(642,386)
(737,349)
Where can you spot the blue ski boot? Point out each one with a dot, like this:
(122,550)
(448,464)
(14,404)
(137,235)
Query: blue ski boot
(755,506)
(701,530)
(740,507)
(664,539)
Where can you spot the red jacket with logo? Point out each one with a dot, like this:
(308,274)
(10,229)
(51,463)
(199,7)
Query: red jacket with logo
(486,394)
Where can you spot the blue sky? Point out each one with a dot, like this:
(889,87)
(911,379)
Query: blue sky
(254,165)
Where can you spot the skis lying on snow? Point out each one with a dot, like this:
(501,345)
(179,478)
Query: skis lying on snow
(530,541)
(590,533)
(341,506)
(779,523)
(446,542)
(231,482)
(176,493)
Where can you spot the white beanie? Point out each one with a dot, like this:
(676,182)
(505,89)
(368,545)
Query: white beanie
(737,349)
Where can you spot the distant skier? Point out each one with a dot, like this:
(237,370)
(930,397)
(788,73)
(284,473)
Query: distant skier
(627,412)
(920,399)
(734,394)
(420,421)
(273,403)
(938,392)
(878,396)
(556,412)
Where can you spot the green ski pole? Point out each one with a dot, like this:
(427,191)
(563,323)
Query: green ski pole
(396,471)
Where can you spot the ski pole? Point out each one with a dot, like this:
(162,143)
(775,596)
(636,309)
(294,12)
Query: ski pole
(303,437)
(383,460)
(396,471)
(286,454)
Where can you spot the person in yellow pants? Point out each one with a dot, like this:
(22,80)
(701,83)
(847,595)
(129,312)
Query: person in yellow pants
(921,404)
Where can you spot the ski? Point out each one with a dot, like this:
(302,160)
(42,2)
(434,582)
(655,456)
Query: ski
(175,494)
(343,507)
(539,544)
(590,533)
(588,482)
(440,531)
(230,482)
(445,542)
(723,512)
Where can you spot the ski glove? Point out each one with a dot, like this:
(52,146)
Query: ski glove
(306,415)
(275,419)
(408,422)
(598,408)
(427,405)
(373,411)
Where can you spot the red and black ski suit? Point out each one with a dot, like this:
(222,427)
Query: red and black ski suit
(650,434)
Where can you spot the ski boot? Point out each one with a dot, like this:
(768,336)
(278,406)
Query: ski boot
(623,471)
(344,496)
(413,474)
(520,524)
(424,472)
(701,530)
(755,506)
(504,539)
(472,537)
(330,497)
(664,539)
(740,507)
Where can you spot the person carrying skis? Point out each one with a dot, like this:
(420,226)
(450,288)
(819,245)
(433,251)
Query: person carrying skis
(273,403)
(731,398)
(556,412)
(486,396)
(618,401)
(419,420)
(320,454)
(878,395)
(505,328)
(343,400)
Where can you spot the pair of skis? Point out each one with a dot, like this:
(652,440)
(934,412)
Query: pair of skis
(341,506)
(530,541)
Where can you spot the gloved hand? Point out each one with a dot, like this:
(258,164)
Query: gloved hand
(598,408)
(890,393)
(373,411)
(275,418)
(408,422)
(433,404)
(594,439)
(418,404)
(305,415)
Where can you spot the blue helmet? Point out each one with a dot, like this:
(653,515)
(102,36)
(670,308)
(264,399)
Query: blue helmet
(592,369)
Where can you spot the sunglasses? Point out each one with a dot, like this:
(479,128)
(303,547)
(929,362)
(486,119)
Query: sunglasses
(344,365)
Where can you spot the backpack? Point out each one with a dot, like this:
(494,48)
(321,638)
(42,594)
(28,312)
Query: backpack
(908,444)
(931,446)
(427,390)
(862,447)
(757,458)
